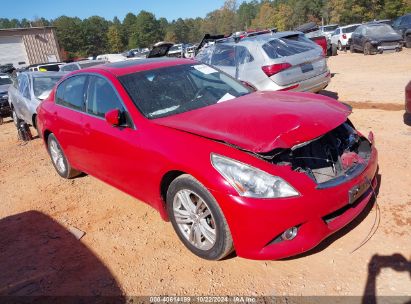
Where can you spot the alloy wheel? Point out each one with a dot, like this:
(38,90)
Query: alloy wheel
(194,219)
(57,156)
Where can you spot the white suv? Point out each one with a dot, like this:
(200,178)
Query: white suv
(342,34)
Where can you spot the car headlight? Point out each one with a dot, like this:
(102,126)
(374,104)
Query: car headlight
(250,181)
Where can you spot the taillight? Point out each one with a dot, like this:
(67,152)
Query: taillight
(273,69)
(344,36)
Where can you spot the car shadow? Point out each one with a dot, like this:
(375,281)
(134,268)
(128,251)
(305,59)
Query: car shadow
(407,119)
(345,230)
(331,94)
(396,262)
(40,258)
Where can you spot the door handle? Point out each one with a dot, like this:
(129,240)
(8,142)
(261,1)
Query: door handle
(87,129)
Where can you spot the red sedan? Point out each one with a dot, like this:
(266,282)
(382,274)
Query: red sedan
(267,174)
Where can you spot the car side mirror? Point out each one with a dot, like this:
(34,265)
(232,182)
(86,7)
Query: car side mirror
(113,117)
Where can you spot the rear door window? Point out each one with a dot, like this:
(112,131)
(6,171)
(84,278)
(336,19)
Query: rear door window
(24,87)
(101,97)
(283,47)
(70,92)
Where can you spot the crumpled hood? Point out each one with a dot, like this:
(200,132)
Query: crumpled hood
(263,121)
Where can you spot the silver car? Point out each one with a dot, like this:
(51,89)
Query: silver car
(27,91)
(79,65)
(272,62)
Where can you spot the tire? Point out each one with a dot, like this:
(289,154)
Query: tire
(1,120)
(203,231)
(35,125)
(333,50)
(16,119)
(339,46)
(367,49)
(408,41)
(59,160)
(352,49)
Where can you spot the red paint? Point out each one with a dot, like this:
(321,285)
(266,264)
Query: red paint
(135,160)
(113,117)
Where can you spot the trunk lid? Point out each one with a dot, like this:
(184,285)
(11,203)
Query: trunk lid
(304,66)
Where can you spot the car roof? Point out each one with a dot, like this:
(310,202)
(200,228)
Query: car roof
(350,25)
(44,74)
(137,65)
(261,39)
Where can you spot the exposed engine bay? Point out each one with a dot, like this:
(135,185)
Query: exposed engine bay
(334,155)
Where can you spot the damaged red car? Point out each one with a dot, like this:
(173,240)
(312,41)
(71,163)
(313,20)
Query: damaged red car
(267,174)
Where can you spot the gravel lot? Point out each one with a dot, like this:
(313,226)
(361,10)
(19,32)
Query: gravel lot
(129,250)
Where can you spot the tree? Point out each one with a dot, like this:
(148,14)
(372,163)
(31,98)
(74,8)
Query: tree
(146,30)
(95,31)
(127,29)
(69,34)
(115,41)
(246,13)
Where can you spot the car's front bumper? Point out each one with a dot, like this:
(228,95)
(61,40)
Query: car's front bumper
(256,224)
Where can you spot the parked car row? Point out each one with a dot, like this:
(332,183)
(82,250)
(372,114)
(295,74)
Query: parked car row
(372,37)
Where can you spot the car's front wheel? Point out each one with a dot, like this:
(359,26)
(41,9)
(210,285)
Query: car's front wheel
(59,160)
(197,219)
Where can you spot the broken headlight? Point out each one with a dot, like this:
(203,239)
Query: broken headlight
(250,181)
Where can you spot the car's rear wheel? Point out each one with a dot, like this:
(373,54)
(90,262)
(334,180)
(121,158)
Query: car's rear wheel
(197,219)
(367,48)
(59,160)
(408,41)
(352,49)
(36,126)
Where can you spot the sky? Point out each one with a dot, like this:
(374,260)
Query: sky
(51,9)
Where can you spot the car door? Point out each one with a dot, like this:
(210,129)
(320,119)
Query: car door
(113,153)
(22,96)
(67,118)
(356,36)
(335,36)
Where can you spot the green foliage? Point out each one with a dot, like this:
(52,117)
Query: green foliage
(95,35)
(115,41)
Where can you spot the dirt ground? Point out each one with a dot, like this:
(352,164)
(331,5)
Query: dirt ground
(129,250)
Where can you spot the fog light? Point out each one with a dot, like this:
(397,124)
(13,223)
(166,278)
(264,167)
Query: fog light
(290,234)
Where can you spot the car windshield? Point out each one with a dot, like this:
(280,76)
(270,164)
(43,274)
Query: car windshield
(283,47)
(380,30)
(349,29)
(4,79)
(43,85)
(178,89)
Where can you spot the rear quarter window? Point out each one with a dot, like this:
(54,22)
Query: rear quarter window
(284,47)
